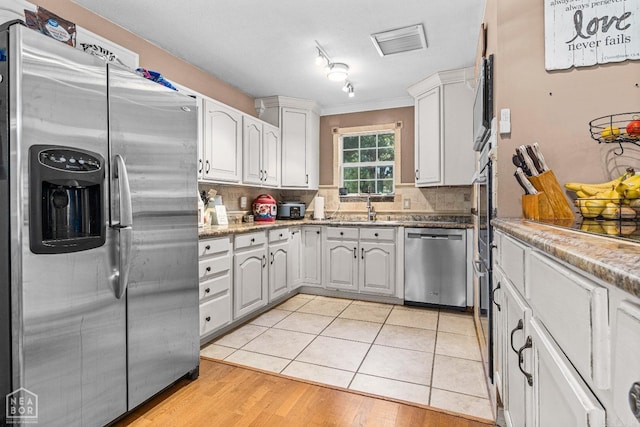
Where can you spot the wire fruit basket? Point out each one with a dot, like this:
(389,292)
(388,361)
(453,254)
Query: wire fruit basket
(616,128)
(609,209)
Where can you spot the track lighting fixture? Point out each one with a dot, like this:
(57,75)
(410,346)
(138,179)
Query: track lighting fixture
(336,71)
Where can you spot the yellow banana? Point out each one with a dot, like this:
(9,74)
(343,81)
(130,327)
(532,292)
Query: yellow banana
(632,194)
(581,194)
(592,190)
(577,186)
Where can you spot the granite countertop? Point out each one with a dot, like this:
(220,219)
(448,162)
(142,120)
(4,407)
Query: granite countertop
(425,222)
(614,261)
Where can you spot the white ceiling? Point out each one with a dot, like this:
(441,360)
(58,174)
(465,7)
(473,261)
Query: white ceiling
(266,48)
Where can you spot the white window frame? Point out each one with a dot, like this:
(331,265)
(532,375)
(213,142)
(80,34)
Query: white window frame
(338,133)
(374,164)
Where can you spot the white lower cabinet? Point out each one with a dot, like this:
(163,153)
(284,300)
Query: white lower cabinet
(294,260)
(626,364)
(552,338)
(214,268)
(311,255)
(278,263)
(560,396)
(360,260)
(250,273)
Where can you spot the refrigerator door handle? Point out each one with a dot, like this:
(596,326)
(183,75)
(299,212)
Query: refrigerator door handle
(124,228)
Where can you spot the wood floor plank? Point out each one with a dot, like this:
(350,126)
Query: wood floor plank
(228,395)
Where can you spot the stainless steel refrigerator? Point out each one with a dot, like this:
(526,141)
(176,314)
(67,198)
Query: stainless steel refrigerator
(98,234)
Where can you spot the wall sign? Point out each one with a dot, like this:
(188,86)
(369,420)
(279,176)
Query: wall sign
(579,33)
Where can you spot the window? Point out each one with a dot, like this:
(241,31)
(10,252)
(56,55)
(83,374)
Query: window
(368,162)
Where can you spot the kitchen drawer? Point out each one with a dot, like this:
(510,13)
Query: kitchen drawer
(574,310)
(511,259)
(278,234)
(215,314)
(215,286)
(250,240)
(626,363)
(210,266)
(344,233)
(378,234)
(210,247)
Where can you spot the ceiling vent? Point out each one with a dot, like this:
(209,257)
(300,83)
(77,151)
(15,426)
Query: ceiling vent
(400,40)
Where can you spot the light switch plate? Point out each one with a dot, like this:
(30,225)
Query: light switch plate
(406,203)
(505,121)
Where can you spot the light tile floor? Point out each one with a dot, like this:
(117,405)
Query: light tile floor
(427,356)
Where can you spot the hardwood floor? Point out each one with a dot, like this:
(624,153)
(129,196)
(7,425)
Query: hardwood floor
(229,395)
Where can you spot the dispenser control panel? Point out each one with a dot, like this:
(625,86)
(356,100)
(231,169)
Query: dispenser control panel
(69,160)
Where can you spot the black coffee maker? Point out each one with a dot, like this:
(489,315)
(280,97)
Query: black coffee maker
(66,199)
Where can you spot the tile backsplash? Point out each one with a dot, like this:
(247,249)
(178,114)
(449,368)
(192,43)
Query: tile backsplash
(407,200)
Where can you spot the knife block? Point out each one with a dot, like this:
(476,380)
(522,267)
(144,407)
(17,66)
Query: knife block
(547,184)
(536,207)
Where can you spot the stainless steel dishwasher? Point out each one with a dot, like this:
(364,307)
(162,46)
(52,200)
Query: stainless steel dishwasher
(435,267)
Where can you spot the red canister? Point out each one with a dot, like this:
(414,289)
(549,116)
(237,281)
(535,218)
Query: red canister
(264,208)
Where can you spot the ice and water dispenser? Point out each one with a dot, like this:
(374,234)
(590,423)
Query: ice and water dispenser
(66,199)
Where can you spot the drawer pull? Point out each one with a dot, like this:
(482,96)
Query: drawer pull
(527,344)
(518,327)
(376,234)
(342,233)
(318,232)
(208,318)
(208,247)
(208,269)
(206,291)
(493,296)
(634,399)
(280,234)
(253,240)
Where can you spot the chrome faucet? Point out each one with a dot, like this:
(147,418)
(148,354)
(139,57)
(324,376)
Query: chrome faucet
(371,212)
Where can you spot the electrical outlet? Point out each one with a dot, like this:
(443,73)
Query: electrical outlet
(406,203)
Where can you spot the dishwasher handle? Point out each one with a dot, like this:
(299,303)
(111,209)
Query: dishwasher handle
(434,236)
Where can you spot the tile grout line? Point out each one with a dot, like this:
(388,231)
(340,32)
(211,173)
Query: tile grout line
(317,335)
(433,360)
(370,347)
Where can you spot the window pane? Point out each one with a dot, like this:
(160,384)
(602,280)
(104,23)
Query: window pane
(367,141)
(385,186)
(368,155)
(351,186)
(350,156)
(350,173)
(385,154)
(367,186)
(386,140)
(384,172)
(350,142)
(368,172)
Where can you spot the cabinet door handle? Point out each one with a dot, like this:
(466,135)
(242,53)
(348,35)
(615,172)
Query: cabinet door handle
(306,179)
(272,258)
(264,261)
(264,178)
(493,298)
(362,253)
(318,232)
(206,291)
(527,344)
(634,399)
(417,175)
(518,327)
(208,318)
(355,253)
(207,166)
(199,165)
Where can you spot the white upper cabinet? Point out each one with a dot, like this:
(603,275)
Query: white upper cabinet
(261,153)
(222,142)
(300,135)
(444,129)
